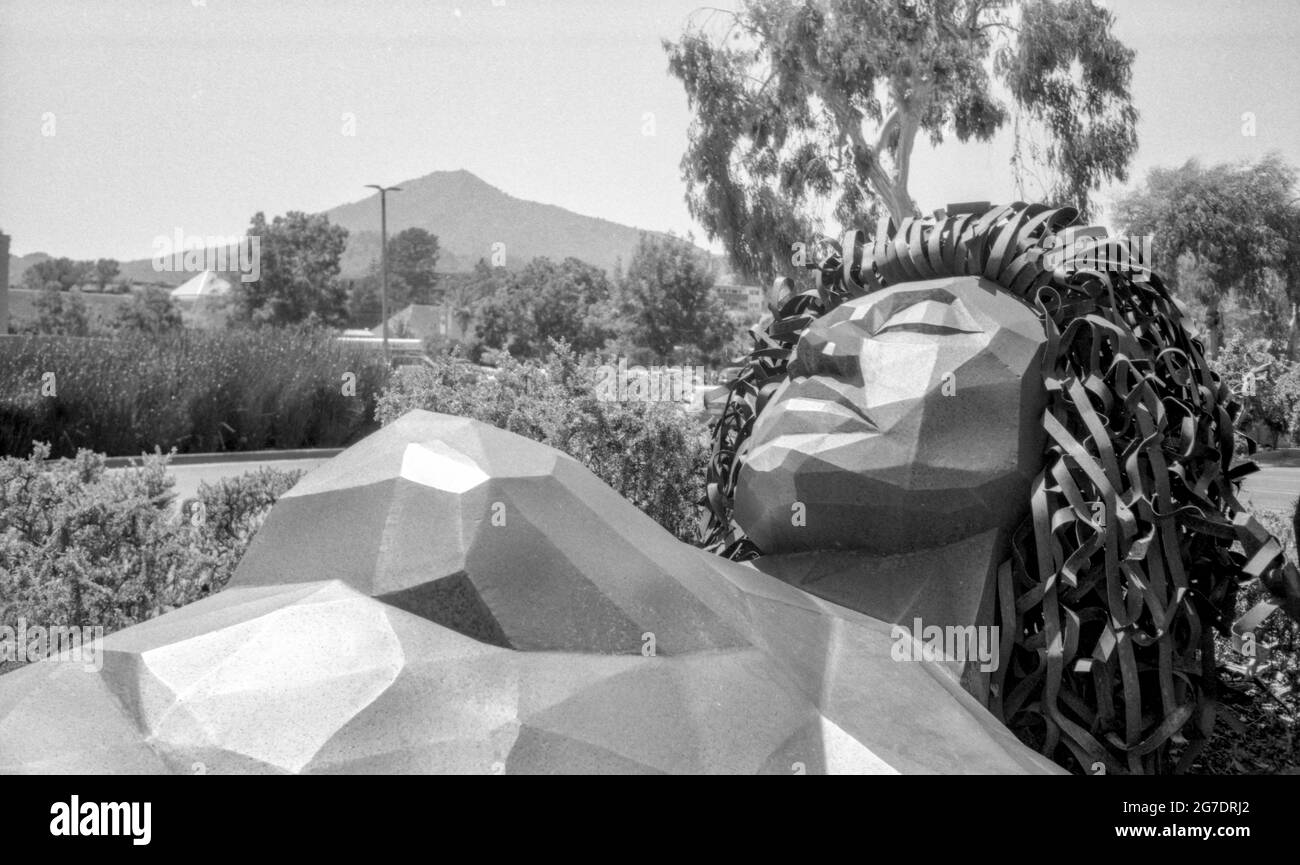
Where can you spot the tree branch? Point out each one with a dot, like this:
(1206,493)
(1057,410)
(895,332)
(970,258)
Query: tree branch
(864,155)
(882,142)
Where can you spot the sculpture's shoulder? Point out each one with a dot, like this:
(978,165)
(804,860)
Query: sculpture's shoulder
(498,537)
(912,713)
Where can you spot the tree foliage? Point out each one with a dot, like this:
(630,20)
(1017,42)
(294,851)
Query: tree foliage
(67,273)
(666,304)
(546,300)
(799,105)
(413,257)
(62,273)
(299,277)
(1266,383)
(412,277)
(61,313)
(151,310)
(1230,227)
(105,271)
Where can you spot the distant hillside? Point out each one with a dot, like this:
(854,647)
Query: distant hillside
(142,271)
(469,215)
(19,264)
(137,271)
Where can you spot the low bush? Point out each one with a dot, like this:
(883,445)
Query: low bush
(1257,716)
(81,545)
(1278,630)
(1266,383)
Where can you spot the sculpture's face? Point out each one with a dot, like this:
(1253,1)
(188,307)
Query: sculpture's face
(912,417)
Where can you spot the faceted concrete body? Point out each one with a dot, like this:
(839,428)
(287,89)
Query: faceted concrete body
(448,597)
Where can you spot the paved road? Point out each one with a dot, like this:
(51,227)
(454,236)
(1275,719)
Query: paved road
(1273,488)
(189,475)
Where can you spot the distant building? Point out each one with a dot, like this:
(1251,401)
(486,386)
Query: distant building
(200,300)
(432,323)
(4,284)
(203,284)
(413,348)
(746,301)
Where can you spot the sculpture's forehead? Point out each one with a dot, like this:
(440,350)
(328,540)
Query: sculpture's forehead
(973,303)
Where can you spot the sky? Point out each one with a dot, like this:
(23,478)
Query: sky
(123,120)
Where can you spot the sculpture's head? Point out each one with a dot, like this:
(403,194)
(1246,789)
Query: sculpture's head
(1003,368)
(913,410)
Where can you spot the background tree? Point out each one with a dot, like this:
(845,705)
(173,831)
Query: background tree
(570,302)
(150,310)
(666,305)
(465,293)
(105,271)
(63,273)
(461,301)
(413,257)
(544,301)
(300,268)
(365,304)
(501,327)
(60,312)
(797,105)
(1228,228)
(412,278)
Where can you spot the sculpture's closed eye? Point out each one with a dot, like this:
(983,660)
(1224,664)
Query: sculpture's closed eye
(825,354)
(834,349)
(931,316)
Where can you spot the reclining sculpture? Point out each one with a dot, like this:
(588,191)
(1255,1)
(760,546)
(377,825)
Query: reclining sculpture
(943,432)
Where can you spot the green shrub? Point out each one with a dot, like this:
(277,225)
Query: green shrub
(80,545)
(195,391)
(1278,630)
(234,508)
(652,453)
(1265,381)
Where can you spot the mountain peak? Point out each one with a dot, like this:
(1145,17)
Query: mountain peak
(474,219)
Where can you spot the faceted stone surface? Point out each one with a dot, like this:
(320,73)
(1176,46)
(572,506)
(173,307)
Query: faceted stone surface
(381,622)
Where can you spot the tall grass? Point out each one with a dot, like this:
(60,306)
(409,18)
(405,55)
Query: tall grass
(196,391)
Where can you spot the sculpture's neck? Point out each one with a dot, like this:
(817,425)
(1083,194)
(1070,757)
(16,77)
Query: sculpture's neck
(952,585)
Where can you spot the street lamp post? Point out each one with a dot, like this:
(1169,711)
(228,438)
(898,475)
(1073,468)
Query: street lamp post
(383,257)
